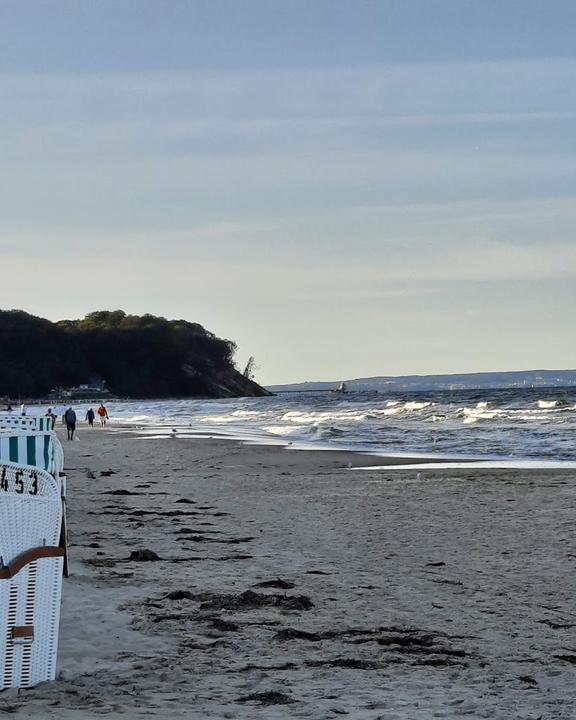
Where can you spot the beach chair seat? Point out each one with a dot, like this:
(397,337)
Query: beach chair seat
(30,575)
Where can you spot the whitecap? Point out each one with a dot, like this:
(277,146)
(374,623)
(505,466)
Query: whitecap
(414,405)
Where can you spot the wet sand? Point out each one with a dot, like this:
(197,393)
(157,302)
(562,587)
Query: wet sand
(282,584)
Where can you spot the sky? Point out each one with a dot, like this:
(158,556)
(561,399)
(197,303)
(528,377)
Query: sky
(345,188)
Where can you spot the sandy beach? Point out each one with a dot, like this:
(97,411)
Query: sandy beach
(283,584)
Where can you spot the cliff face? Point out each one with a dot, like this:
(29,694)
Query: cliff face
(228,382)
(137,357)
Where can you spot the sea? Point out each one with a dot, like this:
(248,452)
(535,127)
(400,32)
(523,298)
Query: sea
(535,424)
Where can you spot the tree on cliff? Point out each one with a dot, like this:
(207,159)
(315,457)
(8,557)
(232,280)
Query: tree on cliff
(137,356)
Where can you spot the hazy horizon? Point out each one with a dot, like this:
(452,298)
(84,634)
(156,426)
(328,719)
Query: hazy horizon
(345,189)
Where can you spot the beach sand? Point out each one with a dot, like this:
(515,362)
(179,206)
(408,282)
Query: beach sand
(390,596)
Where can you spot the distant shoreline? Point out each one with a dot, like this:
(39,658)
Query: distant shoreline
(506,380)
(298,388)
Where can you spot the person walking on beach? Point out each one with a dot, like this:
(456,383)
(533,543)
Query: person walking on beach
(70,419)
(52,416)
(90,417)
(102,414)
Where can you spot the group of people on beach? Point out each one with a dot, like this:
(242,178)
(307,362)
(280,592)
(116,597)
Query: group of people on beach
(69,418)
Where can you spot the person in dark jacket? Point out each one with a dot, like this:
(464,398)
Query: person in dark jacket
(70,420)
(52,417)
(90,415)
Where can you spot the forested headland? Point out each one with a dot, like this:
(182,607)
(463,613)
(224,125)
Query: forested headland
(136,357)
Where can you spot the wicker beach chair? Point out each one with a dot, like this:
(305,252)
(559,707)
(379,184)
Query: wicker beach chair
(30,575)
(39,450)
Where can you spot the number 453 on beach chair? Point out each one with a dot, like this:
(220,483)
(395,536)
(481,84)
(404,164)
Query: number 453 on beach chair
(30,575)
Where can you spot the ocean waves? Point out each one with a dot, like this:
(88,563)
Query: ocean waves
(489,424)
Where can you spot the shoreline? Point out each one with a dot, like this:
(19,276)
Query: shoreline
(381,460)
(395,459)
(403,443)
(283,577)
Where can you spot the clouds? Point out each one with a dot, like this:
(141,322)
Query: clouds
(173,149)
(285,93)
(277,203)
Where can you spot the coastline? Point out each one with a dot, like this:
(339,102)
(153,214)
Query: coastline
(350,457)
(356,458)
(516,430)
(441,596)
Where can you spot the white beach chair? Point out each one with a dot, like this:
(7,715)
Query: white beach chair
(40,450)
(30,575)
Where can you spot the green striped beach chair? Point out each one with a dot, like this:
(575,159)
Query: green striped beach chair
(31,565)
(29,448)
(41,450)
(43,423)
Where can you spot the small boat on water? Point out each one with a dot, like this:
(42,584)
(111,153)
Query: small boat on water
(342,389)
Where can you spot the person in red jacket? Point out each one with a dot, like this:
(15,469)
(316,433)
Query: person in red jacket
(102,414)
